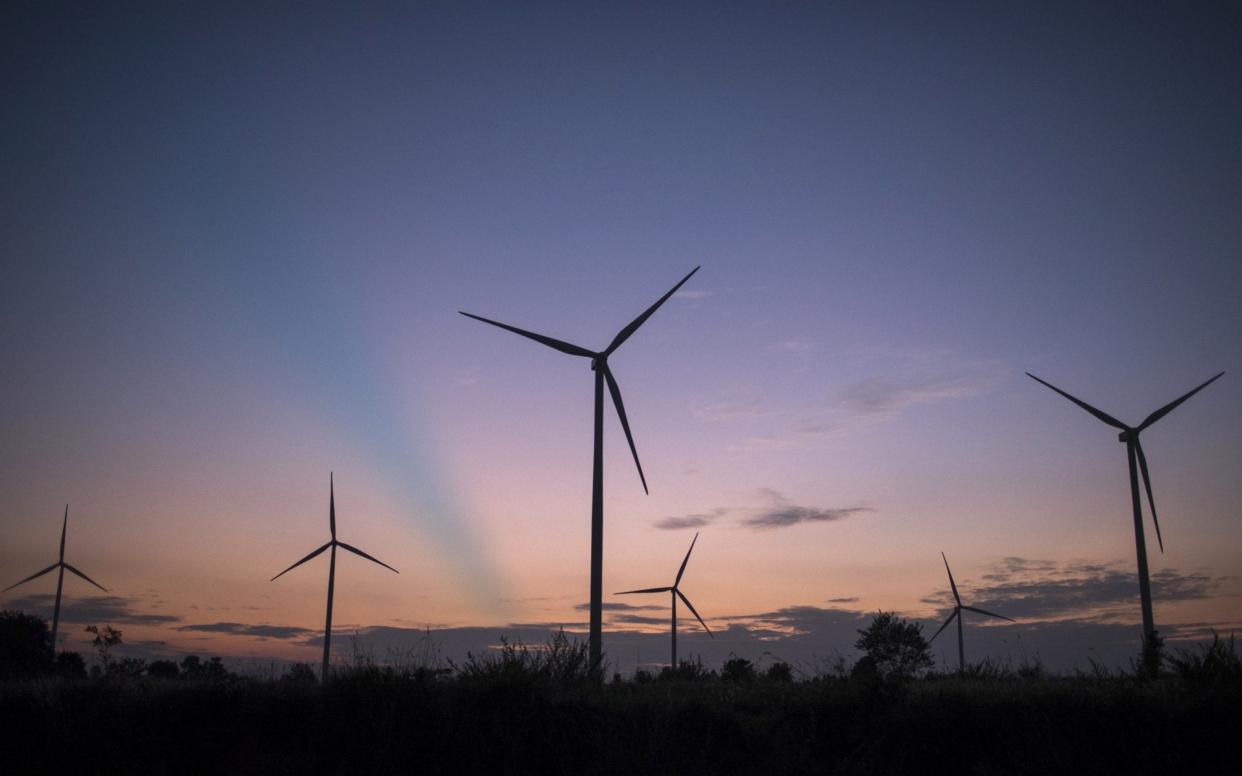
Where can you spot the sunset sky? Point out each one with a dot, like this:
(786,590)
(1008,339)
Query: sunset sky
(236,242)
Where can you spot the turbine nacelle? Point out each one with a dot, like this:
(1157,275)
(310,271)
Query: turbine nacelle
(1129,435)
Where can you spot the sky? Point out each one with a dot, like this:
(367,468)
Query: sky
(236,240)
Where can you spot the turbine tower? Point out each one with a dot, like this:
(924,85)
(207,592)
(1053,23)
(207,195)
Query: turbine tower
(333,543)
(676,593)
(1134,452)
(60,579)
(599,364)
(957,614)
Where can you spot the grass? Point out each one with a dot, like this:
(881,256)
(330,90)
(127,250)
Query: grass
(526,709)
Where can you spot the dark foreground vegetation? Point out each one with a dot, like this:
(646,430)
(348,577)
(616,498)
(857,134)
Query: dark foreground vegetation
(535,710)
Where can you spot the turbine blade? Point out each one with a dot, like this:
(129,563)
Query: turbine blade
(35,575)
(977,610)
(942,627)
(1104,416)
(645,590)
(625,333)
(564,347)
(686,601)
(357,551)
(686,560)
(625,423)
(299,563)
(1151,501)
(331,505)
(951,582)
(88,579)
(1166,409)
(64,528)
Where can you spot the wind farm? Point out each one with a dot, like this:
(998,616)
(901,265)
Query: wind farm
(805,254)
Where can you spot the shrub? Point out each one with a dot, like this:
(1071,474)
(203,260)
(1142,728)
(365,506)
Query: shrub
(1215,664)
(163,669)
(25,645)
(737,669)
(895,646)
(779,672)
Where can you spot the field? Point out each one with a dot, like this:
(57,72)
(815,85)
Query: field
(529,715)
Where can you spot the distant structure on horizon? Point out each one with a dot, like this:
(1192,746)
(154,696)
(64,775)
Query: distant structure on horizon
(676,593)
(957,615)
(333,543)
(599,363)
(1134,452)
(60,579)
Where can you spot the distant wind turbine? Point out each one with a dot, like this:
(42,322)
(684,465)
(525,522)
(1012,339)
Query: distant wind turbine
(60,578)
(1134,451)
(957,615)
(333,543)
(676,593)
(599,363)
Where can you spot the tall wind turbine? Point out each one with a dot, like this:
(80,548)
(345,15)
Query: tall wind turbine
(676,593)
(957,615)
(599,364)
(60,578)
(333,543)
(1134,451)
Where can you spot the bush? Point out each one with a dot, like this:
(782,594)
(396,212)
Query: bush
(560,660)
(71,665)
(1215,664)
(779,672)
(25,645)
(737,669)
(163,669)
(895,646)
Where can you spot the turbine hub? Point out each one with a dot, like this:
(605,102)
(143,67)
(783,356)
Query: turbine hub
(1128,435)
(598,361)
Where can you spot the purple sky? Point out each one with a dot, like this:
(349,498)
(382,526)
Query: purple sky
(237,240)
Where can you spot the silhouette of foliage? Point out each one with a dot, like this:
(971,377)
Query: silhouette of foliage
(560,660)
(1212,665)
(894,646)
(105,639)
(779,671)
(70,665)
(300,673)
(737,669)
(25,645)
(163,669)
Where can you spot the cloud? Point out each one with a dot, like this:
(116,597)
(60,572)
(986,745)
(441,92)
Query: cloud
(617,607)
(795,345)
(239,629)
(93,610)
(783,514)
(1031,589)
(680,522)
(849,600)
(738,404)
(888,396)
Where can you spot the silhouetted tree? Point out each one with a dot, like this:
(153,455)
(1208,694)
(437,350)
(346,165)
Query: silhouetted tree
(779,672)
(70,664)
(105,639)
(162,669)
(737,669)
(894,647)
(193,667)
(300,673)
(24,645)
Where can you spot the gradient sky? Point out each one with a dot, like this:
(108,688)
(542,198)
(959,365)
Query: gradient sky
(236,241)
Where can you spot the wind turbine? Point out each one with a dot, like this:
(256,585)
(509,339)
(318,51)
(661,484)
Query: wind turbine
(599,364)
(60,578)
(957,614)
(676,593)
(1134,451)
(332,543)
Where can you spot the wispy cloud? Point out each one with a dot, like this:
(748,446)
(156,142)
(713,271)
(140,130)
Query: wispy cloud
(911,379)
(734,404)
(782,513)
(617,607)
(681,522)
(795,345)
(94,610)
(240,629)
